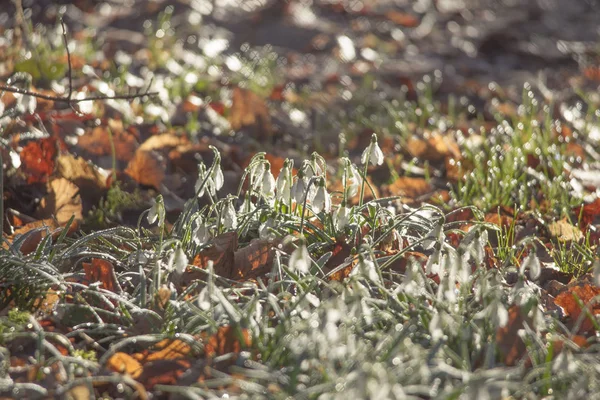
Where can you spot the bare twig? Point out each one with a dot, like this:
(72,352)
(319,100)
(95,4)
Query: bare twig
(69,97)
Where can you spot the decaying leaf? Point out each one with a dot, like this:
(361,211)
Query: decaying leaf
(147,168)
(570,300)
(249,111)
(512,347)
(228,339)
(254,260)
(563,231)
(100,270)
(434,147)
(96,145)
(221,253)
(123,363)
(38,159)
(162,141)
(408,188)
(63,201)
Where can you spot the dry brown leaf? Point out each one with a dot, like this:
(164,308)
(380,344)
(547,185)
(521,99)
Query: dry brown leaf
(221,253)
(123,363)
(340,252)
(434,148)
(85,175)
(63,201)
(510,344)
(563,231)
(38,159)
(254,260)
(79,392)
(163,372)
(147,168)
(34,239)
(568,300)
(403,19)
(169,350)
(248,110)
(165,140)
(100,270)
(408,188)
(97,143)
(227,340)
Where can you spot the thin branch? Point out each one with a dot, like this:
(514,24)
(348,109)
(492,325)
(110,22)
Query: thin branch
(68,98)
(60,99)
(64,35)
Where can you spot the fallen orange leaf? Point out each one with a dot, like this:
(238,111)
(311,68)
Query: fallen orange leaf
(100,270)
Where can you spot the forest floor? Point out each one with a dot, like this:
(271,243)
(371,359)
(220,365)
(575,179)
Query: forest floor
(300,199)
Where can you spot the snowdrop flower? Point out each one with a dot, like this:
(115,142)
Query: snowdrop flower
(355,181)
(312,167)
(201,232)
(247,205)
(322,200)
(341,217)
(229,216)
(204,182)
(299,188)
(367,268)
(531,263)
(157,211)
(265,230)
(283,181)
(217,177)
(300,259)
(178,261)
(267,182)
(372,153)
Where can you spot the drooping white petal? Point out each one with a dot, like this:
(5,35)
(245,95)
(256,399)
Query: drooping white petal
(218,178)
(354,182)
(300,259)
(341,217)
(178,261)
(157,212)
(268,183)
(298,190)
(229,216)
(201,233)
(321,201)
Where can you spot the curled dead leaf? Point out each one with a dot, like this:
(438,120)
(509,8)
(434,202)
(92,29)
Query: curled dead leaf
(512,348)
(410,189)
(97,146)
(38,159)
(249,111)
(147,168)
(563,231)
(227,340)
(254,260)
(63,201)
(100,270)
(123,363)
(570,299)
